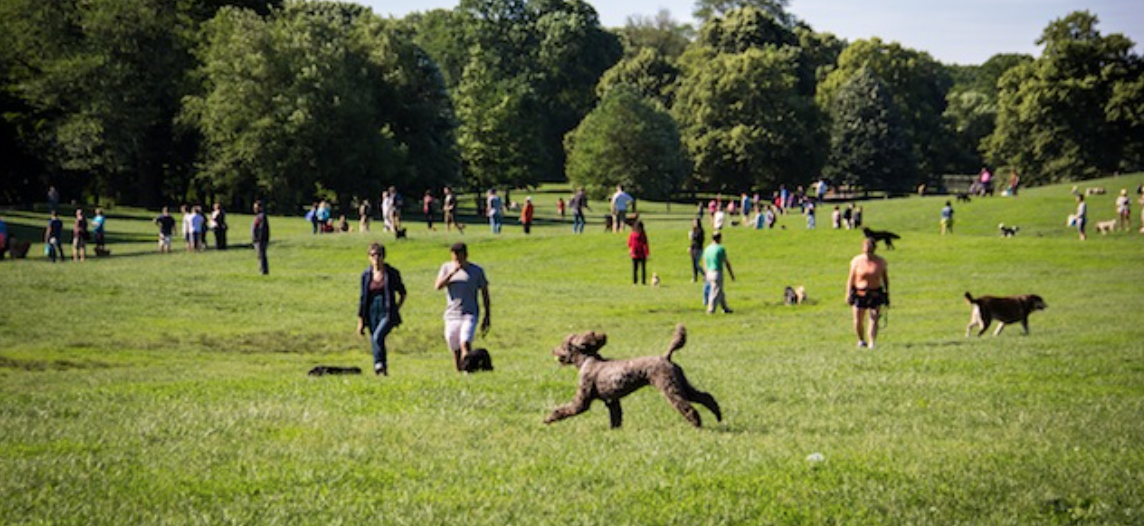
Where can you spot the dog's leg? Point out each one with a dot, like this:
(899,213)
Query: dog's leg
(577,406)
(676,399)
(1000,325)
(615,412)
(974,321)
(1025,325)
(708,401)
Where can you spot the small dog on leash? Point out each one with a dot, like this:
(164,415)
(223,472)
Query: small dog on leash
(1008,231)
(1004,309)
(478,359)
(794,296)
(611,380)
(1104,227)
(886,237)
(323,370)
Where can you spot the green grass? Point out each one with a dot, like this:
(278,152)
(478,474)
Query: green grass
(146,389)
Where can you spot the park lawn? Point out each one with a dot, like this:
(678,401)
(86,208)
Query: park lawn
(144,388)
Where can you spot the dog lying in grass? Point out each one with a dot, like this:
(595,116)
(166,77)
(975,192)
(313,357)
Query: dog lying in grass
(611,380)
(880,235)
(1007,309)
(323,370)
(794,295)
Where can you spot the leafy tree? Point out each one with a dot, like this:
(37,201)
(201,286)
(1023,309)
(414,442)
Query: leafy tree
(971,110)
(743,120)
(100,84)
(868,144)
(318,96)
(917,86)
(1067,114)
(744,28)
(626,140)
(662,33)
(442,34)
(500,137)
(708,10)
(650,73)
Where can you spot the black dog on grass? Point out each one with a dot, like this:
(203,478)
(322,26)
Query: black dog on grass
(886,237)
(477,360)
(323,370)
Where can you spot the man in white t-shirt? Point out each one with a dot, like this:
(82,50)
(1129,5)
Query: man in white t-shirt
(462,280)
(621,200)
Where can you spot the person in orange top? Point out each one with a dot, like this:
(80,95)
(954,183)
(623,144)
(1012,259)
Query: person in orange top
(526,215)
(639,250)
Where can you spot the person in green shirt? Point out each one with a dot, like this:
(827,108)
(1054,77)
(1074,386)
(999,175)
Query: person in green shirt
(714,259)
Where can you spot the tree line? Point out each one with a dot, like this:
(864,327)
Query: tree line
(151,101)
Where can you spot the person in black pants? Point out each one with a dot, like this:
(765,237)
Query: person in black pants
(260,236)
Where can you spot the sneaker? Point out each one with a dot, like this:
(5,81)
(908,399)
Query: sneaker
(870,345)
(379,369)
(861,344)
(727,311)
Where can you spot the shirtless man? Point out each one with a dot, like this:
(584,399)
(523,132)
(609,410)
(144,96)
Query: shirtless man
(867,289)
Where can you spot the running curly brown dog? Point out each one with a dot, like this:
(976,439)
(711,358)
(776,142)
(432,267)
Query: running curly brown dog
(611,380)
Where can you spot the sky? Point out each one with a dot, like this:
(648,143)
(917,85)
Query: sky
(954,32)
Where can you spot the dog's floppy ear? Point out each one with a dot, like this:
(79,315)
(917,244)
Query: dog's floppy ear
(588,342)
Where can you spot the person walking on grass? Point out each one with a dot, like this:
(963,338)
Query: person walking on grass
(621,201)
(695,248)
(494,209)
(79,237)
(449,210)
(1124,210)
(867,292)
(526,215)
(578,204)
(52,235)
(166,230)
(714,259)
(260,237)
(219,226)
(639,250)
(1081,216)
(947,218)
(462,281)
(379,306)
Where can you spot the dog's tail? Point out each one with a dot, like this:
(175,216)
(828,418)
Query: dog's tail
(969,298)
(678,340)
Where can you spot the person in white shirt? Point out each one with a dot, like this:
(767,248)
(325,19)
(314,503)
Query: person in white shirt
(621,201)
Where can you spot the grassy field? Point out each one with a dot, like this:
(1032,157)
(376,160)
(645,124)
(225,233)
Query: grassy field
(171,389)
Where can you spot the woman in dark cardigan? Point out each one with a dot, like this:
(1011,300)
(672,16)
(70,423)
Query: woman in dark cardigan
(382,294)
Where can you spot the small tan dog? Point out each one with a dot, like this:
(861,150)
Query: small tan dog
(654,279)
(1104,227)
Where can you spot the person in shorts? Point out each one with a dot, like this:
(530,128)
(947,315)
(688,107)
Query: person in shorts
(867,292)
(463,281)
(166,230)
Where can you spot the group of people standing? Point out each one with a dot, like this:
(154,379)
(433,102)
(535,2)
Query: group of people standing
(82,232)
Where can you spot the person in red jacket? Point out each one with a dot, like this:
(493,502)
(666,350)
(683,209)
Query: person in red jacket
(526,215)
(639,250)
